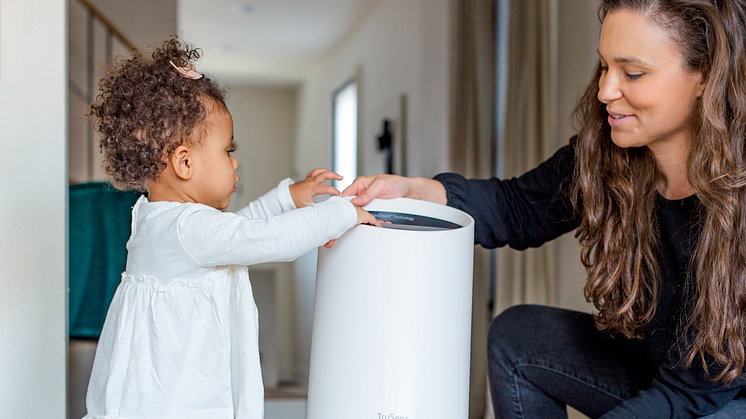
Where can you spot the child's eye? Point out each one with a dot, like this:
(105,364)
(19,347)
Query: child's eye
(634,76)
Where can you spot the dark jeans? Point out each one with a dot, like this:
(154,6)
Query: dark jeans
(542,359)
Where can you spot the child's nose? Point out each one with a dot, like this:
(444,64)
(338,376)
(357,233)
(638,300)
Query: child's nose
(235,162)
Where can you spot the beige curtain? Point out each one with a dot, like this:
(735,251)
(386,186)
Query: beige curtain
(471,154)
(529,138)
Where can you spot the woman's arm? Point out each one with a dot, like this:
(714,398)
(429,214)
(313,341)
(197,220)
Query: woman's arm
(521,212)
(368,188)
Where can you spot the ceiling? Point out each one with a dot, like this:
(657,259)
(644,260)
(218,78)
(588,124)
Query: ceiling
(267,41)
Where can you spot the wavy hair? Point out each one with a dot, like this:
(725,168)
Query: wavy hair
(615,192)
(145,109)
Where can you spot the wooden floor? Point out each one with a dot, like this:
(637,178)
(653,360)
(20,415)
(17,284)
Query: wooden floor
(285,392)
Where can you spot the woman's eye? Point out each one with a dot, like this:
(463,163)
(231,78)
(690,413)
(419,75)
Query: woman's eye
(634,76)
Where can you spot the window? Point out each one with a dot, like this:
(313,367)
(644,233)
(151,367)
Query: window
(344,134)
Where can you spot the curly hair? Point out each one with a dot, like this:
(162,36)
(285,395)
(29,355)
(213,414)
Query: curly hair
(146,109)
(615,192)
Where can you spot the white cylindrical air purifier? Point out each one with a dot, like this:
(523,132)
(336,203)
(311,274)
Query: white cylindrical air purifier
(392,317)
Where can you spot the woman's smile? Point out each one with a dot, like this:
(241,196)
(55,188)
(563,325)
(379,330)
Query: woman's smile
(617,120)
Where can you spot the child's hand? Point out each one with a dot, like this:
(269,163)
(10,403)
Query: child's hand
(304,191)
(363,217)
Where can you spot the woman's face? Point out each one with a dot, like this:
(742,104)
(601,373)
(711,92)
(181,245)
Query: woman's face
(647,90)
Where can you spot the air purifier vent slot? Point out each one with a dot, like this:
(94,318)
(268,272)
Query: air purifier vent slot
(404,221)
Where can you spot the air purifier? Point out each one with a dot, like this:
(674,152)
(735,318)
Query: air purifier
(392,317)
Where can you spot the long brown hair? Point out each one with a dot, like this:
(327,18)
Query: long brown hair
(615,192)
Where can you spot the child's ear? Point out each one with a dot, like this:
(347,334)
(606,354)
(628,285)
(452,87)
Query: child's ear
(181,162)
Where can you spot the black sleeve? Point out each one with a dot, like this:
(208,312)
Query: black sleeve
(520,212)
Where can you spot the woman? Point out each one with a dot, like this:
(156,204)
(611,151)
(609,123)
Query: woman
(655,186)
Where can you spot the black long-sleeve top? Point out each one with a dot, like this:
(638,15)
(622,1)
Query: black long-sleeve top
(535,208)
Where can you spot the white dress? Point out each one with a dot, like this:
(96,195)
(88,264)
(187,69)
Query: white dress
(180,339)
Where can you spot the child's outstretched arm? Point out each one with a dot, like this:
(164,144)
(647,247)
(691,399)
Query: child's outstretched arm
(214,238)
(304,191)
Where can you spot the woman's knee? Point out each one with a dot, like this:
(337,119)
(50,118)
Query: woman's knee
(516,322)
(525,329)
(512,329)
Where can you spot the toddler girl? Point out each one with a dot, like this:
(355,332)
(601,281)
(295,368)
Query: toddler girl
(180,338)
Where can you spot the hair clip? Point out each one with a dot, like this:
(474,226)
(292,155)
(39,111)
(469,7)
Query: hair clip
(188,71)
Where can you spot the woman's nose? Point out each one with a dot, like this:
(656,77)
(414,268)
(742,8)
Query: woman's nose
(608,88)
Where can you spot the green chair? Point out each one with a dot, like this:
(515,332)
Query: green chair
(100,221)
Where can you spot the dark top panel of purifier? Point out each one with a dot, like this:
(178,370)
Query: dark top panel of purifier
(402,221)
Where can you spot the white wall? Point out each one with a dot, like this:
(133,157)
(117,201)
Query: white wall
(145,22)
(400,48)
(264,128)
(33,179)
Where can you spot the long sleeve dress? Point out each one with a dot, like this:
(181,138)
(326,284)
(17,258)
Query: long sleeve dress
(534,208)
(180,339)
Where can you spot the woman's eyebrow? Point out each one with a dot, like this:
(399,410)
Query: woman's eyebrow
(622,60)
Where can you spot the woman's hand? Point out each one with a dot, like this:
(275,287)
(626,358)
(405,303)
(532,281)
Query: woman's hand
(304,191)
(368,188)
